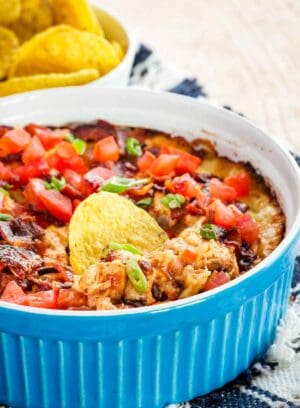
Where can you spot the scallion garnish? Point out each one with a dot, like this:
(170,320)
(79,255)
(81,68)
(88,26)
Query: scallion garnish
(69,137)
(118,184)
(55,184)
(145,202)
(125,247)
(136,276)
(173,201)
(5,217)
(208,231)
(133,147)
(78,144)
(4,192)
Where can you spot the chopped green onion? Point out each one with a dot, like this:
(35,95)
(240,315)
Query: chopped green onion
(118,184)
(133,147)
(173,201)
(136,276)
(208,231)
(126,247)
(145,202)
(79,145)
(56,184)
(5,217)
(4,192)
(69,137)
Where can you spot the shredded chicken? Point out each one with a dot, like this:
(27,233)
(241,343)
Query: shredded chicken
(54,245)
(169,275)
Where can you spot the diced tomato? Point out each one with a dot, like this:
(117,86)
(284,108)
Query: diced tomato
(32,193)
(73,178)
(240,182)
(65,150)
(248,228)
(221,215)
(220,190)
(49,138)
(187,162)
(75,162)
(70,298)
(45,299)
(71,192)
(4,129)
(144,163)
(97,176)
(33,151)
(75,203)
(57,204)
(203,200)
(77,181)
(215,280)
(14,141)
(107,149)
(184,185)
(5,173)
(38,168)
(188,256)
(164,165)
(14,294)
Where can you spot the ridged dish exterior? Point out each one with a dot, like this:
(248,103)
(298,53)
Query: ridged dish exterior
(145,359)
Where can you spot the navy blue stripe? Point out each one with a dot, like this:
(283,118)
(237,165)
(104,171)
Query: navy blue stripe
(141,55)
(189,87)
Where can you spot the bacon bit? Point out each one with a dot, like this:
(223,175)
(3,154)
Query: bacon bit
(193,208)
(21,262)
(94,132)
(178,213)
(139,192)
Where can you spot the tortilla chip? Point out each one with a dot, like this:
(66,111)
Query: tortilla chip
(9,44)
(9,11)
(31,83)
(119,49)
(36,16)
(104,218)
(64,49)
(78,14)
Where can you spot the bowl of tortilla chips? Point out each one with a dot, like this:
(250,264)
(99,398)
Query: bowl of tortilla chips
(55,43)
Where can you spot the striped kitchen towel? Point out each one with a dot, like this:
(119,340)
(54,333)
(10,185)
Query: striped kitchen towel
(275,380)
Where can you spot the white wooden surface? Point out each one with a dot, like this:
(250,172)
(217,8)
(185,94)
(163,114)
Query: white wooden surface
(246,52)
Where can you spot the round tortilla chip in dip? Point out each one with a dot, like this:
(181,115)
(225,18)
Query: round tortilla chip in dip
(105,218)
(31,83)
(78,14)
(9,44)
(36,16)
(46,53)
(9,11)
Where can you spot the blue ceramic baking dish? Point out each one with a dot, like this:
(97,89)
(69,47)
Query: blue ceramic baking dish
(150,356)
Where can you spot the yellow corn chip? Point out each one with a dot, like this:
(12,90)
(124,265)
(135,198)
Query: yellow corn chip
(78,14)
(64,49)
(9,11)
(36,16)
(104,218)
(119,49)
(9,44)
(31,83)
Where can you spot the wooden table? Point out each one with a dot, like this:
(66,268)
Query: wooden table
(246,52)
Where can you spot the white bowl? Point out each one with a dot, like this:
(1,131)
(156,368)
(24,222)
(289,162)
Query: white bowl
(171,352)
(114,30)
